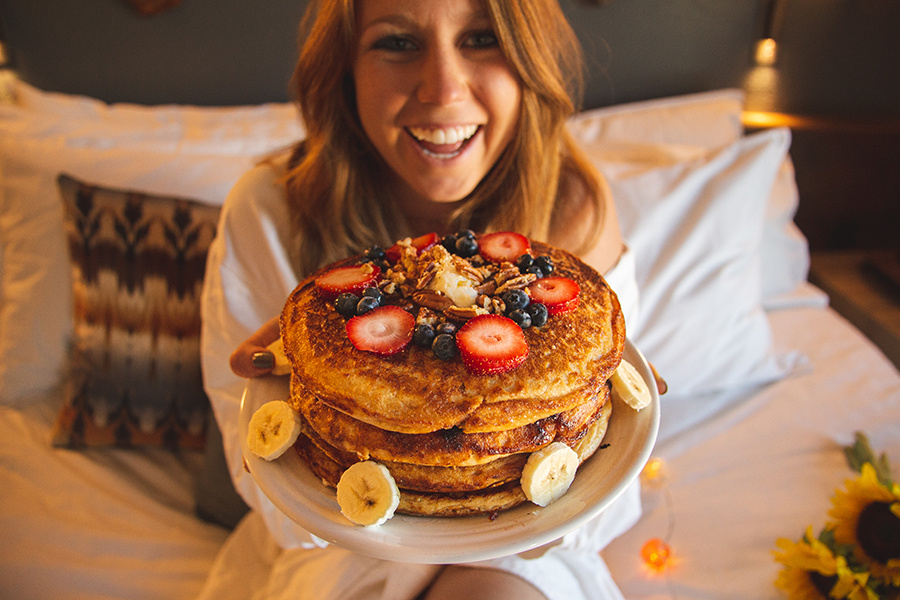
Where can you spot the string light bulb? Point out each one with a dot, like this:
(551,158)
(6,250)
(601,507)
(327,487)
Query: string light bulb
(654,473)
(655,554)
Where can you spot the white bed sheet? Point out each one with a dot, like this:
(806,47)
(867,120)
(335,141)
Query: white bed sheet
(98,524)
(766,468)
(120,524)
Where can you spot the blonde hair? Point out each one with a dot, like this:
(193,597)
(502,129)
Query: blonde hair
(339,198)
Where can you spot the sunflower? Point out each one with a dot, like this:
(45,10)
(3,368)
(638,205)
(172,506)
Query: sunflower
(813,572)
(867,515)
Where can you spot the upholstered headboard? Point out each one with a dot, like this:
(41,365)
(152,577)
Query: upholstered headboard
(242,52)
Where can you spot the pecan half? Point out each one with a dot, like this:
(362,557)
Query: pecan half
(488,288)
(516,283)
(458,313)
(465,268)
(426,275)
(432,300)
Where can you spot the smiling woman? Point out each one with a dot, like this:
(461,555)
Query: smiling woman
(425,119)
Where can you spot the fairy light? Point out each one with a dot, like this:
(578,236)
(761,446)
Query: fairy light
(654,473)
(655,553)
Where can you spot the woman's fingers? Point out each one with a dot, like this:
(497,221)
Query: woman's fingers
(252,358)
(661,385)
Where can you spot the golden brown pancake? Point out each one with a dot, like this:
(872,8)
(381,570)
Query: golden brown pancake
(433,504)
(415,392)
(447,491)
(434,478)
(446,447)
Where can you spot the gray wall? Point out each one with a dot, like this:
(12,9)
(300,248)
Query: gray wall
(838,56)
(242,51)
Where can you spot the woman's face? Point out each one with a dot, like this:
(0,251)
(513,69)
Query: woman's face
(434,93)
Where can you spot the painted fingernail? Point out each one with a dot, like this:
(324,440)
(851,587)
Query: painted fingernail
(263,360)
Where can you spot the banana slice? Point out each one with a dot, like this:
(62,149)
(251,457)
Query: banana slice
(548,473)
(282,364)
(367,493)
(629,387)
(274,428)
(587,445)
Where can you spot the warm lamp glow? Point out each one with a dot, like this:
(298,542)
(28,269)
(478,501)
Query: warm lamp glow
(655,554)
(766,52)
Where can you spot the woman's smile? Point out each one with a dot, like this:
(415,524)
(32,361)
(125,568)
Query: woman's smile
(443,143)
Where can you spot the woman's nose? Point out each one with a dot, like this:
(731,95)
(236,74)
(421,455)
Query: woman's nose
(443,78)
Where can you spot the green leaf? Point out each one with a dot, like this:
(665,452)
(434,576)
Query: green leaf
(861,453)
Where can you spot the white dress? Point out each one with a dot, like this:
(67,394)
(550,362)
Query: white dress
(248,279)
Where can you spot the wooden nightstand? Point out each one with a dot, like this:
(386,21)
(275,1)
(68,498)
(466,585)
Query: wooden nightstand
(864,286)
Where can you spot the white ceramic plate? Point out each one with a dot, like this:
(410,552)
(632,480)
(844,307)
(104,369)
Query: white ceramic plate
(302,496)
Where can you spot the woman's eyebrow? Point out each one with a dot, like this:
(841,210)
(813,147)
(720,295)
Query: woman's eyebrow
(397,20)
(401,20)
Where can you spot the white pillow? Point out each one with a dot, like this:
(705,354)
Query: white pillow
(86,122)
(680,127)
(708,119)
(191,152)
(695,224)
(784,252)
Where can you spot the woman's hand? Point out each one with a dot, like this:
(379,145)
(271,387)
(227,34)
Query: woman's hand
(252,357)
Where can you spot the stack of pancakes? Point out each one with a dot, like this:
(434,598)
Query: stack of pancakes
(455,442)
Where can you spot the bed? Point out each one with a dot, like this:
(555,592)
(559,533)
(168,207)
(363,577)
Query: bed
(113,498)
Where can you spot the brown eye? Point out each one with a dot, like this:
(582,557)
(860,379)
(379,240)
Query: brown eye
(482,39)
(394,43)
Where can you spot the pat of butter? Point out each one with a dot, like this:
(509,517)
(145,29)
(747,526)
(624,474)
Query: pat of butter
(456,287)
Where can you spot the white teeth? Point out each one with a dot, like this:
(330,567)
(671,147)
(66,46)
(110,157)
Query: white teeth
(449,135)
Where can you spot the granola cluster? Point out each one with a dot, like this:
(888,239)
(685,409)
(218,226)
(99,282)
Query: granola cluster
(430,281)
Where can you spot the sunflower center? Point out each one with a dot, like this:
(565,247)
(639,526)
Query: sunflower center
(878,532)
(823,583)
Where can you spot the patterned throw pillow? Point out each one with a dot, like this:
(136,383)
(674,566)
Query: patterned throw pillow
(137,266)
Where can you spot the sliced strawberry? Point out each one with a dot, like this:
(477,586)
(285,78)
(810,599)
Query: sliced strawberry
(558,309)
(503,246)
(558,294)
(421,244)
(490,344)
(384,330)
(353,279)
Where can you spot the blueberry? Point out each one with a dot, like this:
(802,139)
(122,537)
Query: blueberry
(423,335)
(466,233)
(515,299)
(444,346)
(365,304)
(466,247)
(374,252)
(446,327)
(374,292)
(536,270)
(523,262)
(449,242)
(538,314)
(545,263)
(521,317)
(346,303)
